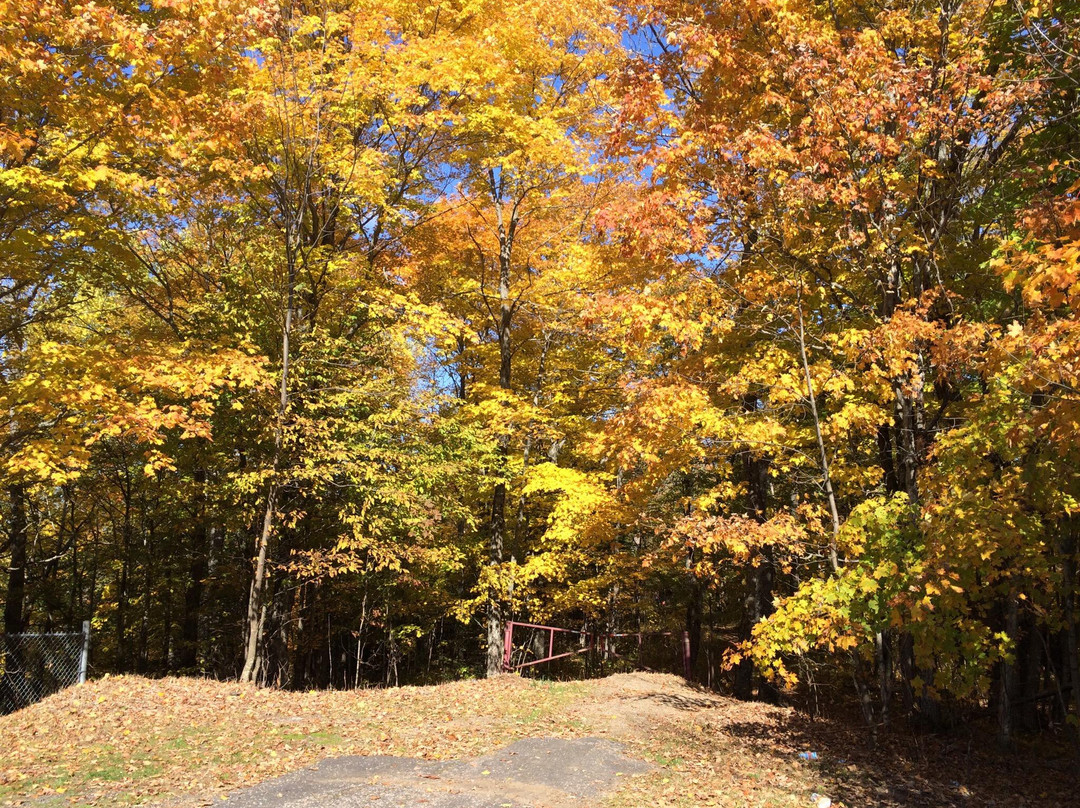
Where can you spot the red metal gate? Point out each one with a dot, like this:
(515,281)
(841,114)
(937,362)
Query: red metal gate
(589,642)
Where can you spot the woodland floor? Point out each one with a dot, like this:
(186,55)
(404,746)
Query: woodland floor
(628,741)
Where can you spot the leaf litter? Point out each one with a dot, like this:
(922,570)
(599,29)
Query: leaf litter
(185,742)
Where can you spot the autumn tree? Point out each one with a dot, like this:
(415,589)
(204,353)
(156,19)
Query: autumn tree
(83,137)
(528,91)
(836,178)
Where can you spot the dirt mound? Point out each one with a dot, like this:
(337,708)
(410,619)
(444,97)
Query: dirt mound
(189,742)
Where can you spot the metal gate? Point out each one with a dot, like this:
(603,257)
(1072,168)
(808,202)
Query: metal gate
(588,642)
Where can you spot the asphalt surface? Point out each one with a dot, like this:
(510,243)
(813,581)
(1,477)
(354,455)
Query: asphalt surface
(532,773)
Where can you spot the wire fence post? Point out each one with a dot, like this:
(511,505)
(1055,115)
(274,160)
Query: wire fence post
(84,657)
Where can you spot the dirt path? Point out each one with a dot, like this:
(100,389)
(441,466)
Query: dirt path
(630,705)
(533,773)
(536,772)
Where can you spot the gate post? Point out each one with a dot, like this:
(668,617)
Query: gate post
(84,656)
(686,655)
(507,648)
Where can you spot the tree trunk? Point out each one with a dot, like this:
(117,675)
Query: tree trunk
(758,581)
(884,659)
(495,639)
(826,477)
(75,610)
(885,459)
(1007,679)
(1068,595)
(866,701)
(187,654)
(694,599)
(257,598)
(16,591)
(256,605)
(1029,678)
(693,621)
(521,524)
(495,615)
(122,661)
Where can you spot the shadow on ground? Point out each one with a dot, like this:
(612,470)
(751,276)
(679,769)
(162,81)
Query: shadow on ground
(750,754)
(905,768)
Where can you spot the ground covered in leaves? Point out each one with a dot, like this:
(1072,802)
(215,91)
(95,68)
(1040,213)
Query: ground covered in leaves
(191,742)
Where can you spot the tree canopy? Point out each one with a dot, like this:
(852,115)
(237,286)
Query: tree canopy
(333,335)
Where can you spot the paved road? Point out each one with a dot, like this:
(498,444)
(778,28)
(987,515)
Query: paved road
(533,773)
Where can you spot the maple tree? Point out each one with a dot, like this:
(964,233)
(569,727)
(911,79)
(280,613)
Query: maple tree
(844,177)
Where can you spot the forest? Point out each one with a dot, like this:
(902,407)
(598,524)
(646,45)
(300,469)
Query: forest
(334,334)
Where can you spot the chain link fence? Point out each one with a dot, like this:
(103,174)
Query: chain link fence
(32,666)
